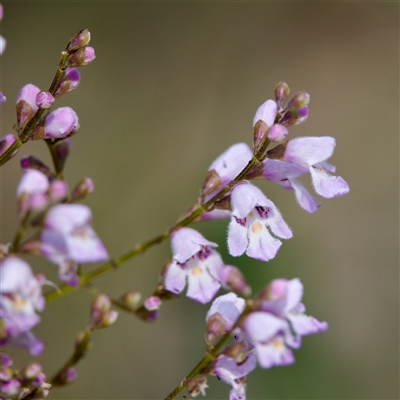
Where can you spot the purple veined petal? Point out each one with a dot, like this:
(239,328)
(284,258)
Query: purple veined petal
(262,327)
(64,218)
(186,242)
(274,353)
(230,306)
(307,151)
(266,112)
(33,182)
(304,198)
(229,371)
(237,237)
(276,223)
(202,287)
(306,325)
(328,186)
(231,162)
(262,246)
(175,278)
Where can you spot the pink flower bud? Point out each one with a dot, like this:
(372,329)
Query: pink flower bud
(152,303)
(81,57)
(58,190)
(31,162)
(82,189)
(61,122)
(277,133)
(44,100)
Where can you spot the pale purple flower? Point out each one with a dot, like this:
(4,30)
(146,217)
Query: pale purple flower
(310,154)
(279,324)
(194,262)
(253,218)
(285,302)
(68,239)
(61,122)
(20,298)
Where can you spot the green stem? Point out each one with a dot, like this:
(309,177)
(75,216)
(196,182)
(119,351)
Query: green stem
(209,356)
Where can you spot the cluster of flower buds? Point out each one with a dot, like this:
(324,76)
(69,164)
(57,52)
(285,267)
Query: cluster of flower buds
(101,313)
(271,327)
(27,383)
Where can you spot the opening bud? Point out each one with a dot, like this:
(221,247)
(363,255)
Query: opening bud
(232,278)
(82,189)
(131,299)
(81,57)
(26,103)
(70,81)
(5,142)
(60,123)
(152,303)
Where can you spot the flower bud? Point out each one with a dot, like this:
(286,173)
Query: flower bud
(82,189)
(277,133)
(10,388)
(78,41)
(131,299)
(101,305)
(60,123)
(62,149)
(212,182)
(281,93)
(152,303)
(107,319)
(2,97)
(31,371)
(233,279)
(299,100)
(31,162)
(5,373)
(68,82)
(81,57)
(83,342)
(215,327)
(44,100)
(5,142)
(58,190)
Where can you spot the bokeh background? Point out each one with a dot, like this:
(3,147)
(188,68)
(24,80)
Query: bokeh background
(175,84)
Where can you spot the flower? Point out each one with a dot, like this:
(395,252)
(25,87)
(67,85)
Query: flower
(68,239)
(302,155)
(254,218)
(279,323)
(195,260)
(20,298)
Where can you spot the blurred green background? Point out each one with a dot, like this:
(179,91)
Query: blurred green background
(174,85)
